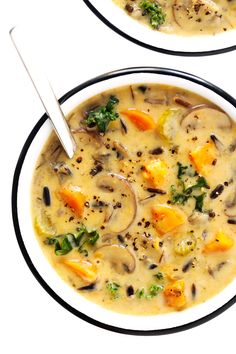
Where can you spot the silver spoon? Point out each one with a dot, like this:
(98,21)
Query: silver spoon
(44,90)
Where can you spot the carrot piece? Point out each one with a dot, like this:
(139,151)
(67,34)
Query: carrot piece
(203,157)
(221,243)
(84,269)
(167,218)
(155,172)
(73,197)
(142,120)
(174,294)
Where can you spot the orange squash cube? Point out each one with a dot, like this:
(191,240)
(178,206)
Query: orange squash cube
(84,269)
(174,294)
(221,243)
(167,218)
(74,198)
(155,172)
(203,157)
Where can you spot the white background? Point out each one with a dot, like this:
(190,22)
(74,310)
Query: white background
(75,46)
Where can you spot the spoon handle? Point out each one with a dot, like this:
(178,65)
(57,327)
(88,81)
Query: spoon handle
(44,90)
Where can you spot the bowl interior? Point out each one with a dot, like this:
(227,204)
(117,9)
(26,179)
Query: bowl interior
(21,201)
(143,35)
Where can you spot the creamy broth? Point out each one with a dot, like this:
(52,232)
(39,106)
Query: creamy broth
(142,220)
(184,17)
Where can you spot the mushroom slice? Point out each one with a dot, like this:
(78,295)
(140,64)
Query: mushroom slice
(120,258)
(199,14)
(205,116)
(121,150)
(123,199)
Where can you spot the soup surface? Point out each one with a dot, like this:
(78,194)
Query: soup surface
(184,17)
(142,220)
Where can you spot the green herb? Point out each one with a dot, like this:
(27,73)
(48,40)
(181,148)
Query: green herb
(113,289)
(199,202)
(103,115)
(184,193)
(159,276)
(185,170)
(155,12)
(153,291)
(178,197)
(201,183)
(181,170)
(66,242)
(140,293)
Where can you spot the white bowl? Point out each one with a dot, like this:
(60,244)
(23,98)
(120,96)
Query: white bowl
(116,18)
(21,210)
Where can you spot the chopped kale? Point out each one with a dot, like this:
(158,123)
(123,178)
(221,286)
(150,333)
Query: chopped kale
(185,170)
(103,115)
(199,202)
(181,170)
(183,193)
(178,197)
(66,242)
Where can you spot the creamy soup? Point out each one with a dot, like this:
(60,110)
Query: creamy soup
(184,17)
(142,220)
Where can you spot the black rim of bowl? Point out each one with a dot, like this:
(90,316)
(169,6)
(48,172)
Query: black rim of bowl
(20,162)
(151,47)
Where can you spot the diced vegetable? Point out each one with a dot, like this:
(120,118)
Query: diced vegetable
(185,244)
(221,243)
(74,198)
(167,218)
(142,120)
(169,269)
(167,125)
(43,225)
(174,294)
(155,172)
(84,269)
(156,243)
(203,157)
